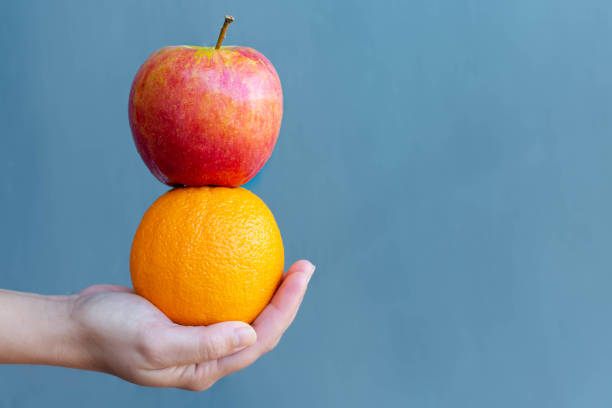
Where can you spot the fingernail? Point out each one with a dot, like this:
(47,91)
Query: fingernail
(243,337)
(312,269)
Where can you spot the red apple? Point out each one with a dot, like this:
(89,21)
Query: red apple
(206,115)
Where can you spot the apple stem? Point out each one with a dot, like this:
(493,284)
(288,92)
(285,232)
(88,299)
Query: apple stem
(228,21)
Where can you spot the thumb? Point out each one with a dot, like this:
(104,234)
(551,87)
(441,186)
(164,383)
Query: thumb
(104,288)
(196,344)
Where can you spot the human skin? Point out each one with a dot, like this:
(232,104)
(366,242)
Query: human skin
(205,116)
(108,328)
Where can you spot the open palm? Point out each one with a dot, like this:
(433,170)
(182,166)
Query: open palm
(129,337)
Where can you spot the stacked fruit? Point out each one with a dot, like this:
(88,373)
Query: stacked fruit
(205,120)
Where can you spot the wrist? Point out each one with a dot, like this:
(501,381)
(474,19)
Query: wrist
(69,338)
(40,330)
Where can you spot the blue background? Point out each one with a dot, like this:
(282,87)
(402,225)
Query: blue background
(446,164)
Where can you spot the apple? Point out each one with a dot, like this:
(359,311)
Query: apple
(206,115)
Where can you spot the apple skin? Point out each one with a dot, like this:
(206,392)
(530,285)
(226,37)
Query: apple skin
(201,116)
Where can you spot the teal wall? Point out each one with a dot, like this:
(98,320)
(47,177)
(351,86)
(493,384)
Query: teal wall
(445,163)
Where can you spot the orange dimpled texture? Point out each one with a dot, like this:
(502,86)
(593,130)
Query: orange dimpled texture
(204,255)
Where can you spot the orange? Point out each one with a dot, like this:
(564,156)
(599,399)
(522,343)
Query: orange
(203,255)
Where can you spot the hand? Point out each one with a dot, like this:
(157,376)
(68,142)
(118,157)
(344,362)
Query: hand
(127,336)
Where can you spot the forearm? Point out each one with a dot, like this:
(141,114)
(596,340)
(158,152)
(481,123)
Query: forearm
(36,329)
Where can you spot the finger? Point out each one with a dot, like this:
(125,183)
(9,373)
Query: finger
(274,320)
(191,377)
(298,267)
(105,288)
(180,345)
